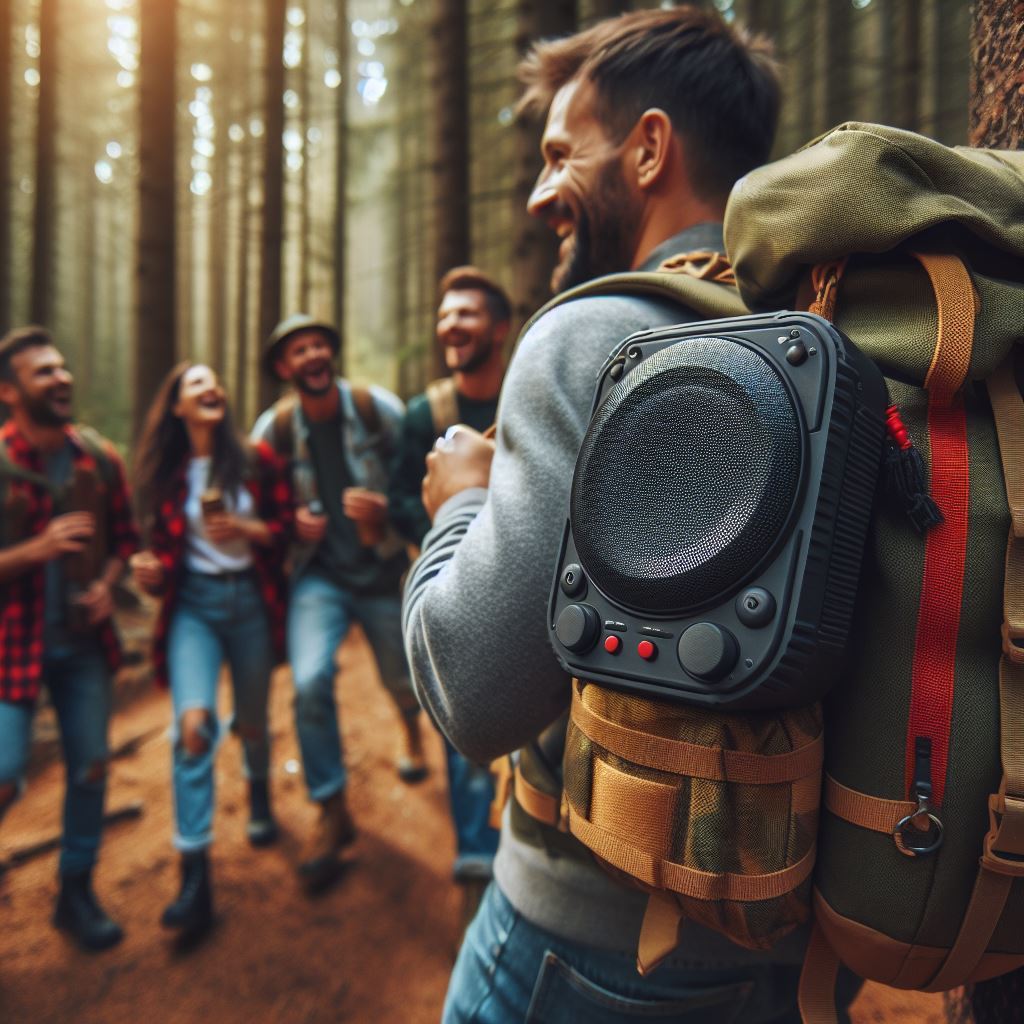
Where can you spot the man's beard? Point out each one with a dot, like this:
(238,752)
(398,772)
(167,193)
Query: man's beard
(308,389)
(477,359)
(603,242)
(41,413)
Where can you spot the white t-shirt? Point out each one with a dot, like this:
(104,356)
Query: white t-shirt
(201,554)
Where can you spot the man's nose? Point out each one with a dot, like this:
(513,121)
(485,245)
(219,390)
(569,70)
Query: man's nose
(64,376)
(541,198)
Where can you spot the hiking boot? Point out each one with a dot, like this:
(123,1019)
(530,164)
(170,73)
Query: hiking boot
(261,829)
(411,764)
(334,830)
(191,913)
(78,913)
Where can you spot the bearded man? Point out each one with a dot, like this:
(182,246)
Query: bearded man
(651,119)
(66,534)
(346,564)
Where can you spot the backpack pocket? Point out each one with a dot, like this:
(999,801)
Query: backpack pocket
(714,814)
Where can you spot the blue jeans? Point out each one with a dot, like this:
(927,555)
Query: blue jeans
(470,793)
(319,616)
(79,685)
(216,619)
(512,972)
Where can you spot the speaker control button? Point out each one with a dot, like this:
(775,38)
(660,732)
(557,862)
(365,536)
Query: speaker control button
(755,607)
(574,583)
(708,651)
(578,628)
(612,644)
(647,650)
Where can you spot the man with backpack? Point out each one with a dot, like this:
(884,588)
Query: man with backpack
(473,320)
(651,118)
(66,533)
(346,564)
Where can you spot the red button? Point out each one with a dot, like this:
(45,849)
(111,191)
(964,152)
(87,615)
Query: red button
(612,644)
(646,650)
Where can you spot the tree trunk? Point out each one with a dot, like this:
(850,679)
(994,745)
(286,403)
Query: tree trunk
(273,184)
(534,245)
(46,156)
(341,175)
(997,74)
(598,10)
(449,158)
(155,301)
(5,164)
(305,255)
(901,63)
(836,46)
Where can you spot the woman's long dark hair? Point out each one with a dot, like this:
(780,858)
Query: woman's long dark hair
(164,448)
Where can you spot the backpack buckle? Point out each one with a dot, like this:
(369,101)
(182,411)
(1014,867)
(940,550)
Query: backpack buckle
(928,839)
(1012,648)
(1006,825)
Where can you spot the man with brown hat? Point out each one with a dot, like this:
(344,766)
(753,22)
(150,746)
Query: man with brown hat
(347,562)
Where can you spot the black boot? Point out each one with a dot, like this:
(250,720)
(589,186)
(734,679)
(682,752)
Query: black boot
(192,912)
(262,829)
(79,914)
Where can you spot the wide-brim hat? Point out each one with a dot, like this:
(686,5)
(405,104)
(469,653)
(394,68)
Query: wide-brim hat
(292,325)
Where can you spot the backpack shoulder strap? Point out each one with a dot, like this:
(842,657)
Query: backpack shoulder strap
(366,408)
(283,432)
(94,443)
(701,281)
(443,399)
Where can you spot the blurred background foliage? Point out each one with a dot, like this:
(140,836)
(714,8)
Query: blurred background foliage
(175,175)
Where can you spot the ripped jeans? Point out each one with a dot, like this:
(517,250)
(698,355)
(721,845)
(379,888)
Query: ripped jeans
(216,619)
(79,685)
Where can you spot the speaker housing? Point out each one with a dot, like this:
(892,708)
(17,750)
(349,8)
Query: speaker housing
(718,513)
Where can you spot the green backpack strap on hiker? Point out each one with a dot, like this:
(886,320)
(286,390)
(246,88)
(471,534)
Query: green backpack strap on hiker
(916,251)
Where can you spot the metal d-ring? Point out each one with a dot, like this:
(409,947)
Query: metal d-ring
(900,837)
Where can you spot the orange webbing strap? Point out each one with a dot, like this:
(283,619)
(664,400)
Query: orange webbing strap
(501,769)
(869,812)
(700,885)
(545,807)
(816,995)
(954,296)
(1002,858)
(825,285)
(693,759)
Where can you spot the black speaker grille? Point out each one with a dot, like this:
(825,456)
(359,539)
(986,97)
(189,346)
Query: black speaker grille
(686,477)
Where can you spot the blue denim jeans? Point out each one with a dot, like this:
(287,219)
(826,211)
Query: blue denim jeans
(470,793)
(320,614)
(511,972)
(216,619)
(79,685)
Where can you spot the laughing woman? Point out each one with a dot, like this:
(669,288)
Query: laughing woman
(217,512)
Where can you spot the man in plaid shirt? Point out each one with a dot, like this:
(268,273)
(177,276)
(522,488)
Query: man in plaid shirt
(65,535)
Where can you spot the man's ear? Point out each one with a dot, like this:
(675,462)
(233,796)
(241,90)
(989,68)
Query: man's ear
(281,369)
(500,332)
(652,147)
(8,393)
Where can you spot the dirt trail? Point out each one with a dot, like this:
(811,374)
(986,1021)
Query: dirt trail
(375,949)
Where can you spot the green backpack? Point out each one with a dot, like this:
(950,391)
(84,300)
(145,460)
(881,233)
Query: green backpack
(916,252)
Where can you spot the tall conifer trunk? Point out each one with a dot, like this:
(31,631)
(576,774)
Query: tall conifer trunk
(46,157)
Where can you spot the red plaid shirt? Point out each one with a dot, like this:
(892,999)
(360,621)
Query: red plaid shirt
(270,487)
(22,599)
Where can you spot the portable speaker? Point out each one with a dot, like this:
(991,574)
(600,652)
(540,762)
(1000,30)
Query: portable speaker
(718,512)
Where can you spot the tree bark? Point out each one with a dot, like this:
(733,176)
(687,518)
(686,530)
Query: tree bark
(997,74)
(449,159)
(155,301)
(46,155)
(273,184)
(534,246)
(5,164)
(901,63)
(305,256)
(341,175)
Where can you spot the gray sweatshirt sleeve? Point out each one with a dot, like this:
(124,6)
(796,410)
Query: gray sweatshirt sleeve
(475,612)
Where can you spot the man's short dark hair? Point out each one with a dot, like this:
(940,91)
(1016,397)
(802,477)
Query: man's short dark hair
(718,84)
(18,340)
(464,279)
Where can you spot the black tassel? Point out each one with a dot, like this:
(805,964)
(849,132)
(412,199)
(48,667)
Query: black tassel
(907,477)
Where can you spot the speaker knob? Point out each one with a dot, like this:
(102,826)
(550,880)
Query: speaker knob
(708,651)
(578,628)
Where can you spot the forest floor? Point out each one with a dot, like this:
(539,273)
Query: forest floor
(376,948)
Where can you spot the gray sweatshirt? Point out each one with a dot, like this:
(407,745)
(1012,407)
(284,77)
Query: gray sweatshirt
(475,612)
